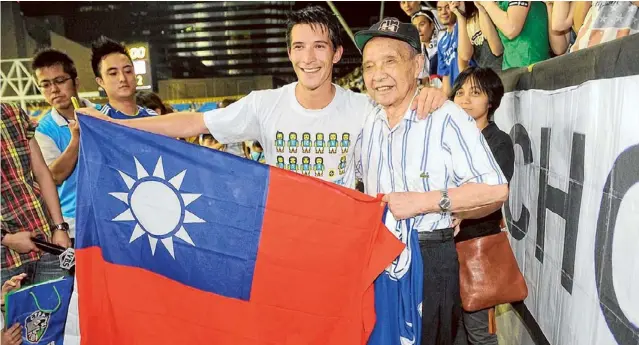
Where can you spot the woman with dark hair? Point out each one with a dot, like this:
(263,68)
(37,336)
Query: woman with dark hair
(479,91)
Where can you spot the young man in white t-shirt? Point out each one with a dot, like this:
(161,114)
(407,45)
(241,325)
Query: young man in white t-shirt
(308,126)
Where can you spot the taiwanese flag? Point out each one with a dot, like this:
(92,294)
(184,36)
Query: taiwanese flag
(180,244)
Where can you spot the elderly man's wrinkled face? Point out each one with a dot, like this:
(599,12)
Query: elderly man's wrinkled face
(391,68)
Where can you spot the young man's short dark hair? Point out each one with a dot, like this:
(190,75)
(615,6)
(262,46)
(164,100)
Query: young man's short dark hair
(487,81)
(102,47)
(50,57)
(314,16)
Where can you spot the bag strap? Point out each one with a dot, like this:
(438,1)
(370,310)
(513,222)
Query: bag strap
(35,299)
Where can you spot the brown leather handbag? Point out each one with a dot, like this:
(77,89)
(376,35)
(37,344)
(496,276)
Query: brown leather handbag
(488,273)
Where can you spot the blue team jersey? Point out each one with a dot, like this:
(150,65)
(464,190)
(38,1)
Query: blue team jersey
(111,112)
(399,292)
(447,56)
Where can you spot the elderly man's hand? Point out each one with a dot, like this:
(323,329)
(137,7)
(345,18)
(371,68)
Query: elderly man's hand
(91,112)
(404,205)
(428,100)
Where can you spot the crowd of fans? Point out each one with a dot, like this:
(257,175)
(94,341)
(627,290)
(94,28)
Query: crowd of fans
(507,34)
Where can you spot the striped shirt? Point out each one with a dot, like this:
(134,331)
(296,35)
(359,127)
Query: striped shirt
(23,208)
(113,113)
(444,151)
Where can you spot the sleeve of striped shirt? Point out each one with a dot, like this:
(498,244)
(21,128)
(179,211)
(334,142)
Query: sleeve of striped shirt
(472,159)
(235,123)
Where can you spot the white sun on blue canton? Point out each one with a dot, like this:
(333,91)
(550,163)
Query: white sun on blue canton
(157,206)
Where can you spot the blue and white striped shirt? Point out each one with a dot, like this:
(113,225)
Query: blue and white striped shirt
(444,151)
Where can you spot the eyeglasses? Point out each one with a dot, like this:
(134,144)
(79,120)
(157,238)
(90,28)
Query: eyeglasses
(46,84)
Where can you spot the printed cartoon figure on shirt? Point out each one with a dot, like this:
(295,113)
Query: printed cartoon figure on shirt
(292,163)
(346,142)
(292,142)
(319,166)
(306,165)
(332,143)
(279,142)
(307,143)
(280,162)
(341,167)
(319,143)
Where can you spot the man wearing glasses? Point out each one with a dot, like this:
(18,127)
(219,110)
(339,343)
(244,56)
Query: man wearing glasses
(58,134)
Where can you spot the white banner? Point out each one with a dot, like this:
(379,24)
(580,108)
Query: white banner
(573,211)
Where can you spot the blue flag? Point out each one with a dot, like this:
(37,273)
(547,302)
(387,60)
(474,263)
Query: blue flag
(399,292)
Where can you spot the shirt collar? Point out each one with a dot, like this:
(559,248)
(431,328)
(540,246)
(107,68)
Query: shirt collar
(60,120)
(409,115)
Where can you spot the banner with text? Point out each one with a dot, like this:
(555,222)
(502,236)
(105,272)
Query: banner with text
(573,212)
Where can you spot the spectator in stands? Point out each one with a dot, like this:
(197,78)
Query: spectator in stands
(151,100)
(426,24)
(238,148)
(113,69)
(473,44)
(479,91)
(447,57)
(569,15)
(226,102)
(410,7)
(210,142)
(560,40)
(257,152)
(309,118)
(30,204)
(58,134)
(522,28)
(607,21)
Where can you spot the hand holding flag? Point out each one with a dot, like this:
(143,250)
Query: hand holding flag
(219,249)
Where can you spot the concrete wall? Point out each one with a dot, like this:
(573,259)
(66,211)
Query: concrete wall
(212,87)
(14,41)
(81,55)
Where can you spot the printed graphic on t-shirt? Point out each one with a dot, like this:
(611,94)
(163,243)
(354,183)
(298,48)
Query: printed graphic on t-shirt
(308,155)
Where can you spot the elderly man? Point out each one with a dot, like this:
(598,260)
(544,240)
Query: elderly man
(429,170)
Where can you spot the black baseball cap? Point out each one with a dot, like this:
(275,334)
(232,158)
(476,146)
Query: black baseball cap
(392,28)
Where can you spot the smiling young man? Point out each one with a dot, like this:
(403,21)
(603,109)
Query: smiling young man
(58,134)
(296,122)
(113,69)
(427,171)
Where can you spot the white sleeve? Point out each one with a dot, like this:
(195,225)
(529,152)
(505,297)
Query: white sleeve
(237,122)
(472,159)
(49,149)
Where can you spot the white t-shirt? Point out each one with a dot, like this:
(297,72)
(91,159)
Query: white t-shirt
(311,142)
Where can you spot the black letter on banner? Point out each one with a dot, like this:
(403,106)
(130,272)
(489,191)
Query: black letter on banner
(567,206)
(624,174)
(519,228)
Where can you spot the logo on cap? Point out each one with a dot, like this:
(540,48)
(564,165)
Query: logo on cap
(389,24)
